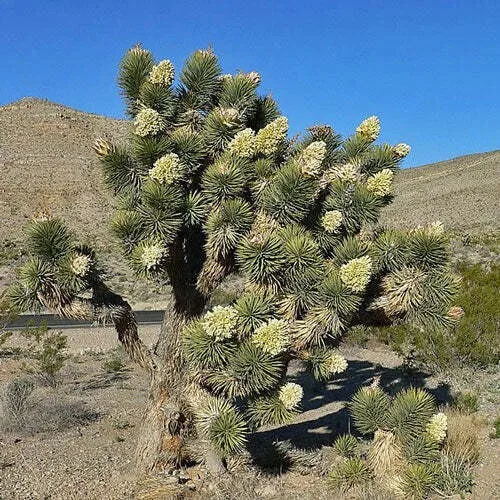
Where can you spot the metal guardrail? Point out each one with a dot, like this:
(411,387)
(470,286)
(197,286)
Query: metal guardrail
(54,321)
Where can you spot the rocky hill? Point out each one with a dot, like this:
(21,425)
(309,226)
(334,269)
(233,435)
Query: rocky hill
(47,163)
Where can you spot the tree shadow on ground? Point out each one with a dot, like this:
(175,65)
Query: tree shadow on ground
(325,415)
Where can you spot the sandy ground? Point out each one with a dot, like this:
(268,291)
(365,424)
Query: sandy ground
(81,437)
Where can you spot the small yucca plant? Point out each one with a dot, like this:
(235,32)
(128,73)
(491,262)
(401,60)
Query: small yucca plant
(414,451)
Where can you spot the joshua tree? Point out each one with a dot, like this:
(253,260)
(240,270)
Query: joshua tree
(208,187)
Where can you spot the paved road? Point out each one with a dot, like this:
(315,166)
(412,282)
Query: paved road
(54,321)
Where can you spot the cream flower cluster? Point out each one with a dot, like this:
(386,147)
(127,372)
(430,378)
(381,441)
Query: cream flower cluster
(345,173)
(437,228)
(167,169)
(336,363)
(356,273)
(291,395)
(80,265)
(229,116)
(270,138)
(220,322)
(243,143)
(272,337)
(163,73)
(312,157)
(332,220)
(369,128)
(152,255)
(380,184)
(437,427)
(254,77)
(401,150)
(148,122)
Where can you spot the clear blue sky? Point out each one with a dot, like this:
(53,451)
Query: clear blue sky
(430,69)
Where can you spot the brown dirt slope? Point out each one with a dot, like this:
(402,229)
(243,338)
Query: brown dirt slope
(462,192)
(47,162)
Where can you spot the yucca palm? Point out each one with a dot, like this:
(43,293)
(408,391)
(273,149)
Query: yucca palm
(210,185)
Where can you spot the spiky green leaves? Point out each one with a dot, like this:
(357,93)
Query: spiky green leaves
(200,77)
(348,474)
(225,178)
(250,371)
(254,310)
(224,426)
(205,351)
(369,408)
(134,69)
(346,445)
(50,239)
(226,225)
(261,257)
(289,194)
(238,92)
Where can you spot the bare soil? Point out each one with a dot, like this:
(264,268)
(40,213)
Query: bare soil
(81,437)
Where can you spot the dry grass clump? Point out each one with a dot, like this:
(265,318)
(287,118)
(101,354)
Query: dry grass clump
(462,440)
(31,411)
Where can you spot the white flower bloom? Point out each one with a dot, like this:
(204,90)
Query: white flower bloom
(272,136)
(369,128)
(345,173)
(401,150)
(290,395)
(336,363)
(221,322)
(437,427)
(80,265)
(356,273)
(311,158)
(148,122)
(272,337)
(167,169)
(152,255)
(437,227)
(163,73)
(243,143)
(332,220)
(381,183)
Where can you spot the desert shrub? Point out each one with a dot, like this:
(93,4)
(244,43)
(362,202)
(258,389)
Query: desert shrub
(466,402)
(472,341)
(346,445)
(350,473)
(16,402)
(455,476)
(47,352)
(114,365)
(462,441)
(32,412)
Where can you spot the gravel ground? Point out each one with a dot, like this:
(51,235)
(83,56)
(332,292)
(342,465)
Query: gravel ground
(81,438)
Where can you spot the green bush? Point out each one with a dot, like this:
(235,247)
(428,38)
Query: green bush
(114,365)
(472,341)
(466,402)
(47,350)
